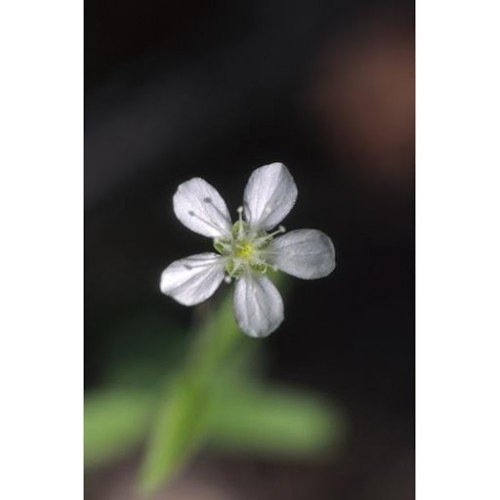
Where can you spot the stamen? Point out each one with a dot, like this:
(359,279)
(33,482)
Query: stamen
(227,279)
(263,240)
(281,229)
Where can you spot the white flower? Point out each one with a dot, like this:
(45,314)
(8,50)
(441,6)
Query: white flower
(247,248)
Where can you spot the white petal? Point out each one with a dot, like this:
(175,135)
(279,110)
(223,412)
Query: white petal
(269,195)
(305,253)
(257,304)
(201,208)
(194,279)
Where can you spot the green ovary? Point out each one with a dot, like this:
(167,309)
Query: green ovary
(244,250)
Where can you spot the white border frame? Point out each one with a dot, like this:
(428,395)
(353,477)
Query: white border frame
(41,210)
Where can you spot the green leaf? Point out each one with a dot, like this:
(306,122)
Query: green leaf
(114,422)
(275,422)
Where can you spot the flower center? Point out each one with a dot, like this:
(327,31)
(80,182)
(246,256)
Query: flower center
(245,249)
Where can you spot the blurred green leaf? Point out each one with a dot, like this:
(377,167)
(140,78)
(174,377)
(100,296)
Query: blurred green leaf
(114,422)
(279,422)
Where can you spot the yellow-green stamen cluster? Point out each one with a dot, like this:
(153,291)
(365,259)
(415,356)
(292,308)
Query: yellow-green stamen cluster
(246,249)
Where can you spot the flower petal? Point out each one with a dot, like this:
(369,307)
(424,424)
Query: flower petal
(257,304)
(304,253)
(200,207)
(269,195)
(193,279)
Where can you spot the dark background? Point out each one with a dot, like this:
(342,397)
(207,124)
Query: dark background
(176,89)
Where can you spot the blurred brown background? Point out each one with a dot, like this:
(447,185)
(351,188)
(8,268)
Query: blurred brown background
(176,89)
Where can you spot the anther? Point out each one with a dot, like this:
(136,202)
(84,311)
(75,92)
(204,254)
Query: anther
(281,229)
(240,213)
(240,220)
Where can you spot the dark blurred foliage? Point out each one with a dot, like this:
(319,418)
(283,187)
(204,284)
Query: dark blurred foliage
(176,89)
